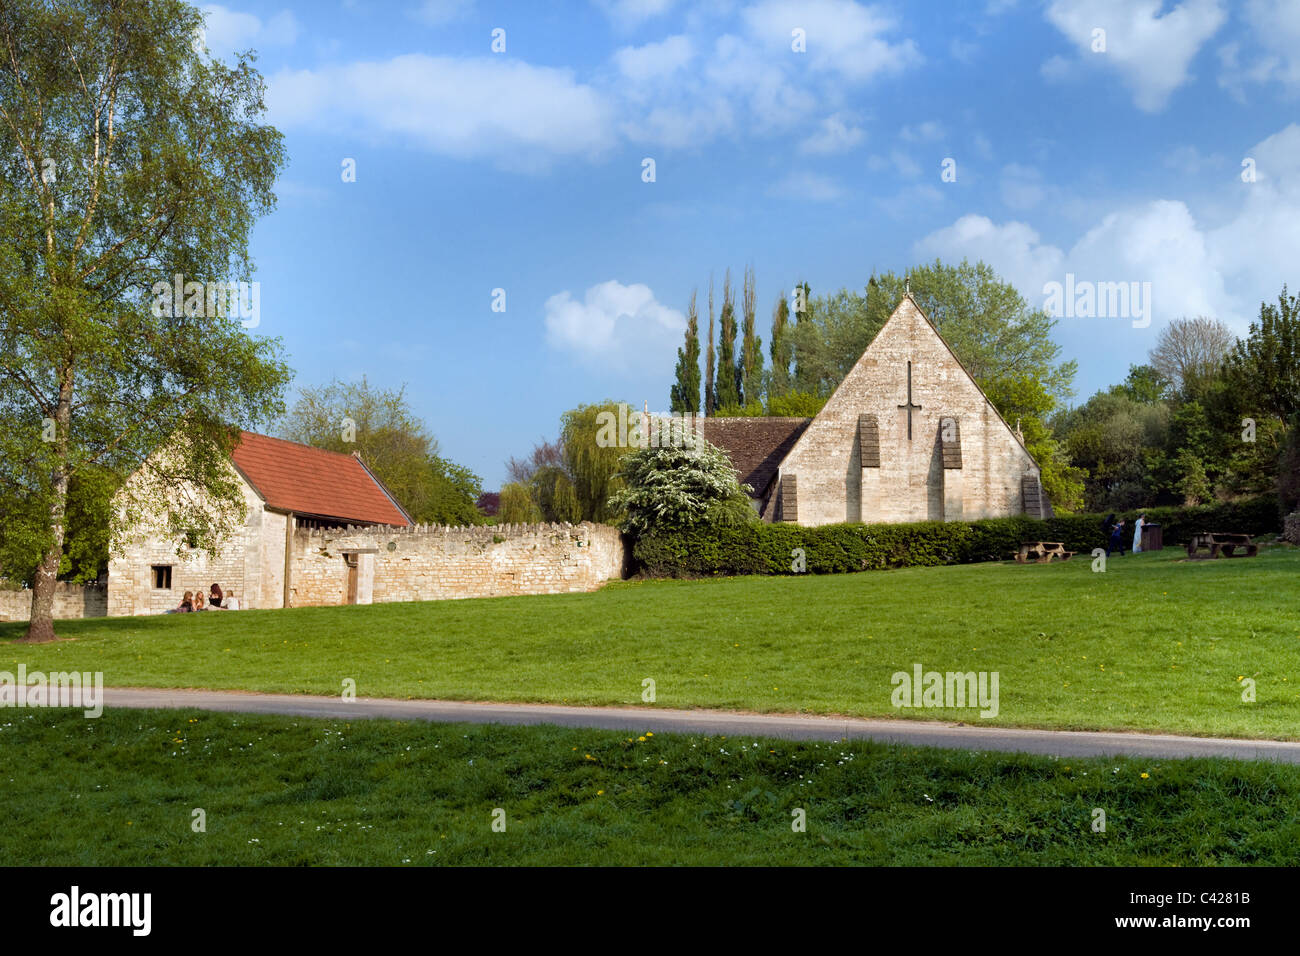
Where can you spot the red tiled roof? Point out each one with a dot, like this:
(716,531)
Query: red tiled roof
(312,481)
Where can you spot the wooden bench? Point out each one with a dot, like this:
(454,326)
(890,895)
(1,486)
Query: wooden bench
(1042,552)
(1219,544)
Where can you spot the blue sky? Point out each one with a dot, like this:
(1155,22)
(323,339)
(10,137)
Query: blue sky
(522,170)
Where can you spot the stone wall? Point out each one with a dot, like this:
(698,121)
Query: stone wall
(431,562)
(70,600)
(1291,532)
(911,482)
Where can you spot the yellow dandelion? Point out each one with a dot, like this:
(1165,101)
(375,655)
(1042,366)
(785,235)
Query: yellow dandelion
(1145,775)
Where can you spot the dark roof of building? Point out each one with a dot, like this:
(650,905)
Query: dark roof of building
(756,446)
(315,482)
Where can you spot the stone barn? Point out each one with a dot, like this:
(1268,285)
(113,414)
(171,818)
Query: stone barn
(287,487)
(907,436)
(321,529)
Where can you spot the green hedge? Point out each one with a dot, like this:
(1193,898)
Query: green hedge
(830,549)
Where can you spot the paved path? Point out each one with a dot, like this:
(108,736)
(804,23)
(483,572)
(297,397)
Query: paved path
(1064,743)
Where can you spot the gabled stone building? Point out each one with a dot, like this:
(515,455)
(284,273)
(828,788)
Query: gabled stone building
(907,436)
(287,488)
(321,529)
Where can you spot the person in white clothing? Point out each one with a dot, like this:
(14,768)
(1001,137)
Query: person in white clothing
(1137,533)
(231,603)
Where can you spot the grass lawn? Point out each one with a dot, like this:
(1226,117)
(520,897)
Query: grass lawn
(1154,643)
(121,790)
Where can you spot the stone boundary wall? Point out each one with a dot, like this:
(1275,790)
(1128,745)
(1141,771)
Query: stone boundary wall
(70,601)
(436,562)
(1291,532)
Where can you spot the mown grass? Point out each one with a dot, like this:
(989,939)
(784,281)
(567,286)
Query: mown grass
(1154,643)
(122,790)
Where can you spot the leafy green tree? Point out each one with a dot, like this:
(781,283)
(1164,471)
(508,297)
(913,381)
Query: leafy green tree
(831,335)
(1288,479)
(592,450)
(380,426)
(552,491)
(802,296)
(1109,437)
(1026,404)
(517,505)
(450,495)
(1144,385)
(677,487)
(1193,483)
(782,350)
(710,398)
(127,159)
(751,409)
(685,395)
(1266,364)
(750,369)
(726,393)
(795,405)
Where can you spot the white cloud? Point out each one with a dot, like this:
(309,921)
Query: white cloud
(1275,27)
(1257,246)
(812,187)
(627,14)
(229,31)
(438,12)
(467,107)
(1191,161)
(614,326)
(835,134)
(843,37)
(654,62)
(1013,249)
(927,132)
(1150,48)
(902,164)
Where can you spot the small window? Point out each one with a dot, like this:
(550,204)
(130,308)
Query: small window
(162,577)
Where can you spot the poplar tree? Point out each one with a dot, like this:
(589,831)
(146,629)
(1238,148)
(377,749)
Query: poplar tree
(710,398)
(685,394)
(781,351)
(750,368)
(727,390)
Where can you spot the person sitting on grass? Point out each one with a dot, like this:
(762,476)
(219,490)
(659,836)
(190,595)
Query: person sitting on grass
(231,602)
(186,605)
(214,598)
(198,601)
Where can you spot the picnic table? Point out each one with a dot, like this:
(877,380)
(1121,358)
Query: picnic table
(1042,552)
(1221,544)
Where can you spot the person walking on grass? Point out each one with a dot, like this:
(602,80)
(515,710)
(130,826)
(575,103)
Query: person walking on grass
(1137,532)
(1116,543)
(1108,525)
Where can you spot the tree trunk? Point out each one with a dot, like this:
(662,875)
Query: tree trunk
(40,627)
(41,624)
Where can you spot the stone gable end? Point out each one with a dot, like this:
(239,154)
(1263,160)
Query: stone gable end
(910,482)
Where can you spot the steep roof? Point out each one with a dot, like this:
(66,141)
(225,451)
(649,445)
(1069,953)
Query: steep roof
(314,482)
(756,446)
